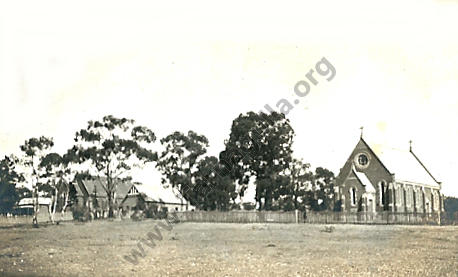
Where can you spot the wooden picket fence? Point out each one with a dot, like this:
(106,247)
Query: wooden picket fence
(324,217)
(240,216)
(27,219)
(385,217)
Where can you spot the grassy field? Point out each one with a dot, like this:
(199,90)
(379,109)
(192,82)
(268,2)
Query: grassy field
(202,249)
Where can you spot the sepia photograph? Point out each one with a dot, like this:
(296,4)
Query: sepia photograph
(243,138)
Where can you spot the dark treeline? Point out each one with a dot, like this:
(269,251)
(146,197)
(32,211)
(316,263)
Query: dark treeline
(258,151)
(451,209)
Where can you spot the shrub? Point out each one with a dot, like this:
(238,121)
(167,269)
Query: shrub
(81,213)
(235,206)
(249,206)
(151,211)
(162,214)
(155,213)
(138,215)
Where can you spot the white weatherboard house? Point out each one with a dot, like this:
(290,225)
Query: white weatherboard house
(164,198)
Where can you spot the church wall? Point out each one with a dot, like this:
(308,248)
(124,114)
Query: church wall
(437,204)
(374,171)
(411,198)
(418,192)
(428,199)
(400,197)
(408,198)
(345,190)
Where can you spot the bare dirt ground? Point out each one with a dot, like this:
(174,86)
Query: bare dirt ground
(209,249)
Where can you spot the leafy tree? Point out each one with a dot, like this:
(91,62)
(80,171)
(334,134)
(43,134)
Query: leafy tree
(299,182)
(324,178)
(321,197)
(213,190)
(34,150)
(451,209)
(8,179)
(178,161)
(52,175)
(111,147)
(57,175)
(23,192)
(259,146)
(280,200)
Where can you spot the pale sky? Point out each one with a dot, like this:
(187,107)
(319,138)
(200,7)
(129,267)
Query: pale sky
(199,64)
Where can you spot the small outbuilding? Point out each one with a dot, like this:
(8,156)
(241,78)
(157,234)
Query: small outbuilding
(25,205)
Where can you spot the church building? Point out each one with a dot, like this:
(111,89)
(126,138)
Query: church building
(382,179)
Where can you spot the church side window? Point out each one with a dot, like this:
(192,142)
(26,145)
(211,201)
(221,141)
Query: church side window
(353,196)
(382,187)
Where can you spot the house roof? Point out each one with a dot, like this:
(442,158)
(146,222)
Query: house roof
(28,202)
(405,165)
(157,193)
(88,187)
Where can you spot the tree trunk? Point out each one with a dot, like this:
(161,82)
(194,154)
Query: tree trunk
(36,206)
(110,205)
(259,200)
(65,204)
(52,208)
(268,200)
(110,193)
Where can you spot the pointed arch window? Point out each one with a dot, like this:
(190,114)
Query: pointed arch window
(382,194)
(353,196)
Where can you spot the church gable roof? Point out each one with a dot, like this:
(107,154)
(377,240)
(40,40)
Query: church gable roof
(347,169)
(405,165)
